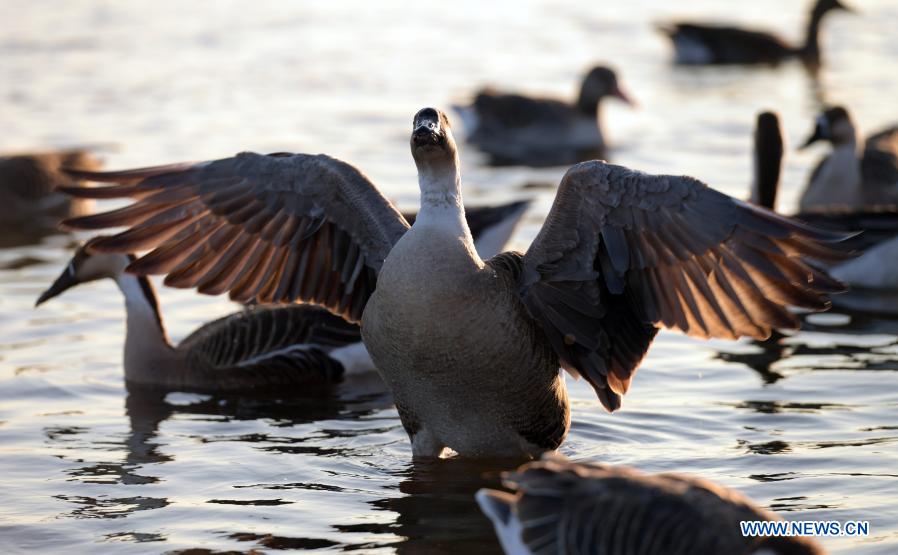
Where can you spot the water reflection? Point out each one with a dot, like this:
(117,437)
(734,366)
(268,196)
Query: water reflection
(767,357)
(436,511)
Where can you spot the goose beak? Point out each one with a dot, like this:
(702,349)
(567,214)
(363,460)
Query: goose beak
(816,136)
(427,130)
(821,133)
(62,283)
(426,133)
(622,95)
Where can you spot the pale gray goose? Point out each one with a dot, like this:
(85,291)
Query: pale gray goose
(704,44)
(847,179)
(471,350)
(513,129)
(558,506)
(27,187)
(253,349)
(875,270)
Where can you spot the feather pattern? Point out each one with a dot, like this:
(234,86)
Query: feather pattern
(623,253)
(274,229)
(262,348)
(563,507)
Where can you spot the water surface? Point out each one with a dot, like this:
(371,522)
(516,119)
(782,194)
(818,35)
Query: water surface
(807,426)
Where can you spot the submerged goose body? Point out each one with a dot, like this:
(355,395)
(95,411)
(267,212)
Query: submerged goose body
(27,187)
(848,178)
(558,506)
(514,129)
(472,348)
(702,44)
(257,348)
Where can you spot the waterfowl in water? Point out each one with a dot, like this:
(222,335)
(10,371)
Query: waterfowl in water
(256,349)
(873,275)
(846,179)
(27,188)
(702,44)
(514,129)
(563,507)
(253,349)
(471,350)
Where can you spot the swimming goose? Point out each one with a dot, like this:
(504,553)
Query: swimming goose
(27,195)
(871,273)
(471,349)
(560,506)
(252,350)
(878,222)
(294,345)
(701,44)
(514,129)
(846,179)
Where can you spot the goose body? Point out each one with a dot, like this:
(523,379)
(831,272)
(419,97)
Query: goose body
(558,506)
(27,188)
(513,129)
(471,349)
(704,44)
(850,178)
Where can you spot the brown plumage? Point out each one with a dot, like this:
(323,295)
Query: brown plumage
(255,350)
(471,349)
(28,196)
(596,509)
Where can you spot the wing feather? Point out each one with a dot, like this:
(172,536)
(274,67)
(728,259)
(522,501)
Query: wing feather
(663,251)
(285,228)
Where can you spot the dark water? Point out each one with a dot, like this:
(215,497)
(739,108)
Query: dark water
(806,425)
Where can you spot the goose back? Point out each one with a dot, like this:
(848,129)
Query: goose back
(265,348)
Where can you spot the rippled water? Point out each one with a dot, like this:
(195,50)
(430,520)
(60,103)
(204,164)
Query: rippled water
(807,426)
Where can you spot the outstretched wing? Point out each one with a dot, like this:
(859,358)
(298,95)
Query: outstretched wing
(274,229)
(623,252)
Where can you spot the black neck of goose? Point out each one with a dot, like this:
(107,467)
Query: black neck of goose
(811,48)
(142,306)
(768,163)
(149,294)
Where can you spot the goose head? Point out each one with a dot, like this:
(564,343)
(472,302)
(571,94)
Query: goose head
(599,83)
(824,6)
(432,141)
(833,125)
(85,267)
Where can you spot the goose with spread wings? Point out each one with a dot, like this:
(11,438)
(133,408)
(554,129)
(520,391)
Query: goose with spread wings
(471,349)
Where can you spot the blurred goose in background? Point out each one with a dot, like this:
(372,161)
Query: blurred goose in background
(471,349)
(28,199)
(700,44)
(514,129)
(847,179)
(257,348)
(558,506)
(873,276)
